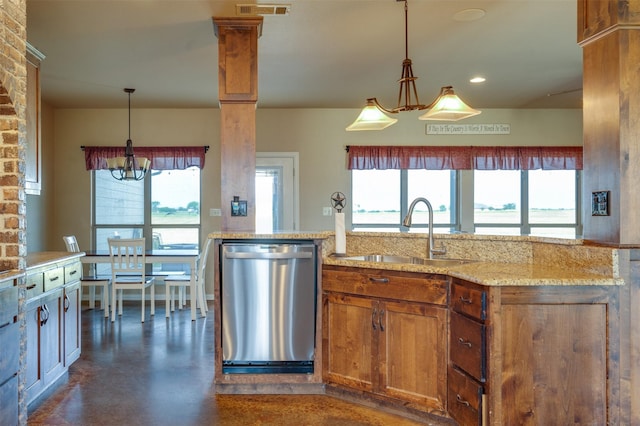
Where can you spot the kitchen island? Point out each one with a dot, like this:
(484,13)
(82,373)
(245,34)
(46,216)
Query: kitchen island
(503,338)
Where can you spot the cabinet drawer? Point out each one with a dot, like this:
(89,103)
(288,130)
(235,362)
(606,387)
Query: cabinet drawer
(53,278)
(10,344)
(469,301)
(467,346)
(406,286)
(465,398)
(35,285)
(8,305)
(73,272)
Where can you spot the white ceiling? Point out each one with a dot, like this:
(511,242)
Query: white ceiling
(323,54)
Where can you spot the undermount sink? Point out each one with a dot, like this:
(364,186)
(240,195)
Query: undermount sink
(384,258)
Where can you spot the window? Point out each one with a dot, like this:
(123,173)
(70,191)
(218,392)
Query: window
(516,190)
(381,199)
(164,208)
(505,202)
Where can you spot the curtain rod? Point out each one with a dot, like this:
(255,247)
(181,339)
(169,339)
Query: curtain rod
(206,148)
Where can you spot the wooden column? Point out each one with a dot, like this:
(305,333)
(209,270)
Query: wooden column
(609,32)
(238,95)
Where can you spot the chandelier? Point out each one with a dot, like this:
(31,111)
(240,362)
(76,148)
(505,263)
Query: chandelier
(128,167)
(447,106)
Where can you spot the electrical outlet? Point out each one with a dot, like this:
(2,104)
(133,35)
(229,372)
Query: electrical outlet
(326,211)
(215,212)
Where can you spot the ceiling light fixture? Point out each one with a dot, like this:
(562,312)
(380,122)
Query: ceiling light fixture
(128,167)
(447,106)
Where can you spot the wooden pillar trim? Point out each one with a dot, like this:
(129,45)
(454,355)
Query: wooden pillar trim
(597,18)
(238,95)
(238,58)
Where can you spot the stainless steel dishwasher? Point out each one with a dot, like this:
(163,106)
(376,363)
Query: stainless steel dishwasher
(268,302)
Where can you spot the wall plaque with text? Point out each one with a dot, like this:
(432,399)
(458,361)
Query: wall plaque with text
(468,129)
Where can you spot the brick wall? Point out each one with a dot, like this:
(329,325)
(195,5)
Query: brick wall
(13,71)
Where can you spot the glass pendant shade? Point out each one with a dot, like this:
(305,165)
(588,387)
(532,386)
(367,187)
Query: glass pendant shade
(448,107)
(371,118)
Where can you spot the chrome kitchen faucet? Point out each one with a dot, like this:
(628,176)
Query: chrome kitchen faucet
(407,222)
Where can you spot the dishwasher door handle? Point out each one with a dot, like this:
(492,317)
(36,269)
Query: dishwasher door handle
(258,255)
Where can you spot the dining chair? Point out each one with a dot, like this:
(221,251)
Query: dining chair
(90,281)
(196,289)
(128,272)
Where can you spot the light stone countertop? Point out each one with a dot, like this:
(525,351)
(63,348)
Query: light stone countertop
(494,260)
(494,273)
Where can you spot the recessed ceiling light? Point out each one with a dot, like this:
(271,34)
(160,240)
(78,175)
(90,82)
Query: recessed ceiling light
(477,80)
(468,15)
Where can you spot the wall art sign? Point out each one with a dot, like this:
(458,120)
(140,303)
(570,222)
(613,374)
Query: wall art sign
(468,129)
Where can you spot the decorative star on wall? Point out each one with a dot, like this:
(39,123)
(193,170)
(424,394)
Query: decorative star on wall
(338,200)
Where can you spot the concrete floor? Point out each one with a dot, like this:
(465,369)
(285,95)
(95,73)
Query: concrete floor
(161,373)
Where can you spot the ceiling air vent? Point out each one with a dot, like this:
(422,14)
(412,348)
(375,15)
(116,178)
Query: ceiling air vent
(262,9)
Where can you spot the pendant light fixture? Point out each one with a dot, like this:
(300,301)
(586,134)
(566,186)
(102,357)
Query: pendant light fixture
(447,106)
(128,167)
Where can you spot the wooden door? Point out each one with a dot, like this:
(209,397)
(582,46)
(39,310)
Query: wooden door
(413,353)
(348,338)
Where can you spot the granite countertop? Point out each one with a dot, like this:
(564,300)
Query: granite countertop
(494,273)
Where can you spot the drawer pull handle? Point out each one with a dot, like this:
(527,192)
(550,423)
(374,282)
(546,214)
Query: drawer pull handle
(379,280)
(380,318)
(67,303)
(464,342)
(462,401)
(54,278)
(31,287)
(468,301)
(73,272)
(373,318)
(6,325)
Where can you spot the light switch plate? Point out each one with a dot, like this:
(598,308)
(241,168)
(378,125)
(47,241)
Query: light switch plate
(215,212)
(326,211)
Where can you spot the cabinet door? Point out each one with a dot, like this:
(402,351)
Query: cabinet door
(413,353)
(71,323)
(33,370)
(348,338)
(51,334)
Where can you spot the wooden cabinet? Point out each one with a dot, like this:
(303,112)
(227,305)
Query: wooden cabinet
(45,359)
(533,355)
(71,309)
(376,341)
(52,325)
(10,344)
(33,154)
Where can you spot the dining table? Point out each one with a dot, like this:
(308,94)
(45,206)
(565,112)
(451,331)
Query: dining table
(162,256)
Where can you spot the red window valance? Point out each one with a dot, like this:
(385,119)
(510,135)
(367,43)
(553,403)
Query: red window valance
(161,157)
(465,157)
